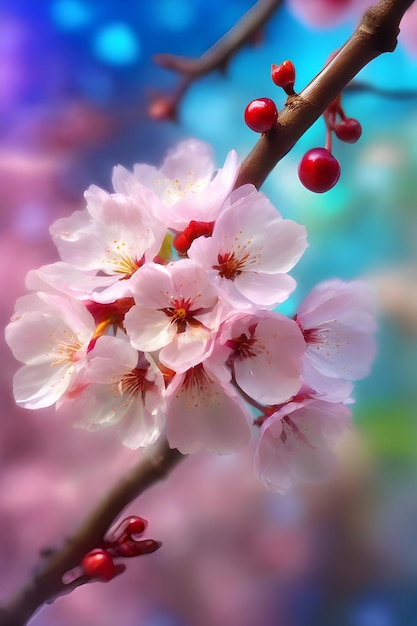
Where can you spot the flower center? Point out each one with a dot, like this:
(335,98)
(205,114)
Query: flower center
(65,350)
(135,382)
(178,189)
(244,347)
(197,385)
(121,261)
(313,336)
(230,265)
(182,315)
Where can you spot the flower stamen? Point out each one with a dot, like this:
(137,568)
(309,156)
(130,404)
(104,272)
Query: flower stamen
(230,265)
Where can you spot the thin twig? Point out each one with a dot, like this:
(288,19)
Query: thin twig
(46,584)
(164,106)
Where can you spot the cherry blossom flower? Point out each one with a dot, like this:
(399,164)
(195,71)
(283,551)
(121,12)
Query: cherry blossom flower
(50,334)
(120,387)
(187,183)
(296,442)
(205,411)
(266,351)
(176,311)
(250,251)
(124,333)
(337,319)
(114,236)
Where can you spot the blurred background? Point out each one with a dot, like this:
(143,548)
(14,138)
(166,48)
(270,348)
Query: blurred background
(76,82)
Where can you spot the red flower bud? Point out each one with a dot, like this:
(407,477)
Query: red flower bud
(283,75)
(99,564)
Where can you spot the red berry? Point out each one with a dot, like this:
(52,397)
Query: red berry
(348,130)
(318,170)
(135,525)
(99,564)
(261,115)
(284,75)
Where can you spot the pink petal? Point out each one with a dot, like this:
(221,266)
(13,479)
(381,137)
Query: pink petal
(35,387)
(202,414)
(273,374)
(148,329)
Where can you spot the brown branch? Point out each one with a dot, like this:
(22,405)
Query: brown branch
(215,58)
(220,53)
(377,33)
(46,583)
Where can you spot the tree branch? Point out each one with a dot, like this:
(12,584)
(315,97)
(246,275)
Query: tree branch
(377,33)
(46,583)
(216,57)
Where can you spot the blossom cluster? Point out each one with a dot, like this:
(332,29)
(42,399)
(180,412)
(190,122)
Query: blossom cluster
(161,316)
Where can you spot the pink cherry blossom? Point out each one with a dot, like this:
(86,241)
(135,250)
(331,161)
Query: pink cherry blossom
(205,411)
(187,183)
(176,311)
(326,388)
(66,279)
(338,321)
(50,334)
(119,387)
(250,252)
(266,355)
(296,442)
(113,236)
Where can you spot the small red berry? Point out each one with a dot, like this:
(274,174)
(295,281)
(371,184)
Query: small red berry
(99,564)
(284,75)
(261,115)
(135,525)
(348,130)
(318,170)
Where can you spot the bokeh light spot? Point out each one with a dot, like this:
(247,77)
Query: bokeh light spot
(116,44)
(71,14)
(174,14)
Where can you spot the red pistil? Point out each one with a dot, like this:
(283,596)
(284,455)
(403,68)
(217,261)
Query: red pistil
(230,265)
(181,314)
(243,346)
